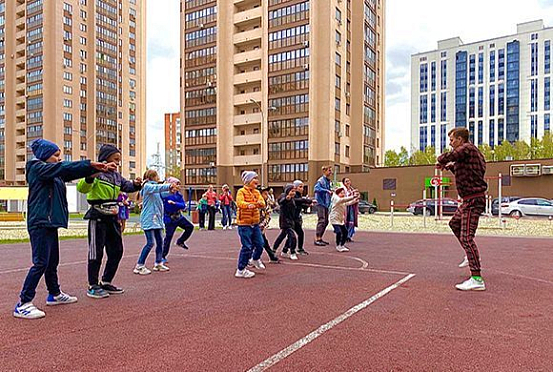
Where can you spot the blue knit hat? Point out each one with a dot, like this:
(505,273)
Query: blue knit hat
(106,151)
(43,149)
(248,176)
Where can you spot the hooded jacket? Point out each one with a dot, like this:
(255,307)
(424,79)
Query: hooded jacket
(287,214)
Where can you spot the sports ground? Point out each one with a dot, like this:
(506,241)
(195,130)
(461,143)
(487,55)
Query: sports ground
(387,305)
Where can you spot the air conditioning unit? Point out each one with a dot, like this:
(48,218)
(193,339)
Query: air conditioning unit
(306,66)
(209,84)
(338,43)
(347,94)
(339,22)
(201,26)
(306,43)
(547,170)
(532,170)
(517,170)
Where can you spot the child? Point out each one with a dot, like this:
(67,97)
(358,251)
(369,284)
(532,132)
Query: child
(286,222)
(104,229)
(264,220)
(202,210)
(123,201)
(302,203)
(338,205)
(249,201)
(47,211)
(226,203)
(173,204)
(151,220)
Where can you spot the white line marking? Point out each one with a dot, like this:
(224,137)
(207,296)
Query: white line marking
(27,268)
(521,276)
(284,353)
(349,268)
(363,262)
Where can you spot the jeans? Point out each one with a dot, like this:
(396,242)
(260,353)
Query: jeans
(252,244)
(341,234)
(150,236)
(104,234)
(171,227)
(227,215)
(46,257)
(322,222)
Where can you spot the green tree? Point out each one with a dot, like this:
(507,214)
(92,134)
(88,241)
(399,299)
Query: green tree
(503,151)
(521,150)
(536,148)
(403,156)
(547,146)
(428,156)
(487,151)
(391,158)
(173,171)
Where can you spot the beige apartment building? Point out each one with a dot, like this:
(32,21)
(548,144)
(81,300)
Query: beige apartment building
(73,72)
(173,142)
(282,87)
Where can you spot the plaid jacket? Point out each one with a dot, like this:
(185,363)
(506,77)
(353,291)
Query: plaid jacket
(469,169)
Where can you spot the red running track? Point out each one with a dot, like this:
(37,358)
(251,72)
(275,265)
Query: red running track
(198,317)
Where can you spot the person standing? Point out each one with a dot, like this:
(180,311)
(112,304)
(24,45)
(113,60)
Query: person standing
(173,206)
(211,207)
(323,195)
(338,207)
(47,211)
(249,201)
(352,211)
(467,163)
(104,230)
(286,222)
(264,221)
(123,216)
(226,202)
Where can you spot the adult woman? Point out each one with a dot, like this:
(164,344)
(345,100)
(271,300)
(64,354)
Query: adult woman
(226,201)
(211,207)
(352,211)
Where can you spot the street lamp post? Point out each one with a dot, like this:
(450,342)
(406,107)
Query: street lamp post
(262,133)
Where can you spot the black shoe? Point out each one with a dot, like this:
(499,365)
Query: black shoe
(274,261)
(182,245)
(111,289)
(325,243)
(303,252)
(348,240)
(320,243)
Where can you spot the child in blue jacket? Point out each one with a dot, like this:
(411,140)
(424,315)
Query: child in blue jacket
(173,205)
(151,220)
(47,212)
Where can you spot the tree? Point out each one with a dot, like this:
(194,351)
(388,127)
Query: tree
(547,146)
(391,158)
(521,150)
(173,171)
(503,151)
(487,151)
(428,156)
(403,156)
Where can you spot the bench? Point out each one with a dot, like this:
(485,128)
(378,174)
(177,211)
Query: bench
(12,217)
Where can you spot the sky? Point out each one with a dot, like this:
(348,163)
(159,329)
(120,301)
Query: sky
(411,27)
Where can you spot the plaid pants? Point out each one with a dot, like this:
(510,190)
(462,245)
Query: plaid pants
(464,224)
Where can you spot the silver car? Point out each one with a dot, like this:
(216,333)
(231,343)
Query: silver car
(528,207)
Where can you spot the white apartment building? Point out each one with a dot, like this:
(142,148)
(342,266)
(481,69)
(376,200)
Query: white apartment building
(499,88)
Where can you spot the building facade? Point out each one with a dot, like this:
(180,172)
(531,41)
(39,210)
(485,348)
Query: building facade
(281,87)
(499,89)
(73,72)
(173,142)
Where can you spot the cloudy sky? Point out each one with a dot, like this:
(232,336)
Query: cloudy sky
(412,26)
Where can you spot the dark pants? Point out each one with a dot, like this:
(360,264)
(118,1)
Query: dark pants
(201,220)
(464,224)
(298,228)
(291,241)
(341,234)
(267,247)
(170,228)
(151,235)
(252,244)
(227,215)
(211,215)
(322,222)
(46,257)
(104,233)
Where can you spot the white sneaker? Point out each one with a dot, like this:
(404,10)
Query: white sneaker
(229,227)
(284,254)
(224,227)
(293,257)
(141,270)
(61,299)
(246,274)
(471,284)
(258,264)
(160,267)
(341,248)
(28,311)
(465,262)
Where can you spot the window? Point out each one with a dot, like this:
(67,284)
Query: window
(67,75)
(67,89)
(337,148)
(389,184)
(338,59)
(338,82)
(338,15)
(337,104)
(347,151)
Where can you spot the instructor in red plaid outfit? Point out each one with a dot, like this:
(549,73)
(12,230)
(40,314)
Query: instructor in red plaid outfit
(467,163)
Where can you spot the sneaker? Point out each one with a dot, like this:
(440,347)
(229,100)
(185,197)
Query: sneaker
(246,274)
(182,245)
(95,291)
(303,252)
(28,311)
(60,299)
(258,264)
(341,248)
(141,270)
(111,289)
(284,254)
(229,227)
(465,262)
(160,267)
(274,261)
(324,242)
(293,257)
(320,243)
(224,227)
(471,284)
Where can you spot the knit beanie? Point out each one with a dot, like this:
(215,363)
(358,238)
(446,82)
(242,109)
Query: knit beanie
(287,188)
(248,176)
(297,183)
(172,180)
(106,151)
(43,149)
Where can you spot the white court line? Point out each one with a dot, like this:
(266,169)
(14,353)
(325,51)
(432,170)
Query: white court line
(520,276)
(27,268)
(284,353)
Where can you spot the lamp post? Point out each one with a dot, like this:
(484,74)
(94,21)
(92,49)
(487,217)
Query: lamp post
(262,133)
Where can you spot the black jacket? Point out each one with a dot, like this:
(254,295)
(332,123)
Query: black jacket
(302,203)
(287,212)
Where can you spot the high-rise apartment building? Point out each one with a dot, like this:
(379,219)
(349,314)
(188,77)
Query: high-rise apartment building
(282,87)
(500,89)
(73,72)
(173,141)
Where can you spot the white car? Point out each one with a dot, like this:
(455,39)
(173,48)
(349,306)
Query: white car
(528,207)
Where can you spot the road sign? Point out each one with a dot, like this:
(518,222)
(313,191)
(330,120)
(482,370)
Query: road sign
(435,181)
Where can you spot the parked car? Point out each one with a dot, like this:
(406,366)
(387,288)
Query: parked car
(504,200)
(366,207)
(449,206)
(528,207)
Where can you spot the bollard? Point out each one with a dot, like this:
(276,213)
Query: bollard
(500,198)
(392,213)
(424,208)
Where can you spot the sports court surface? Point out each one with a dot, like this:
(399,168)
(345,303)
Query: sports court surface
(387,305)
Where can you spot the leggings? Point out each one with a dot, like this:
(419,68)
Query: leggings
(341,234)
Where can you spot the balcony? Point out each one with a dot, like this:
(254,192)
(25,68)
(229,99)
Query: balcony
(248,16)
(248,36)
(20,36)
(243,3)
(244,99)
(247,140)
(247,78)
(242,160)
(247,57)
(20,113)
(247,119)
